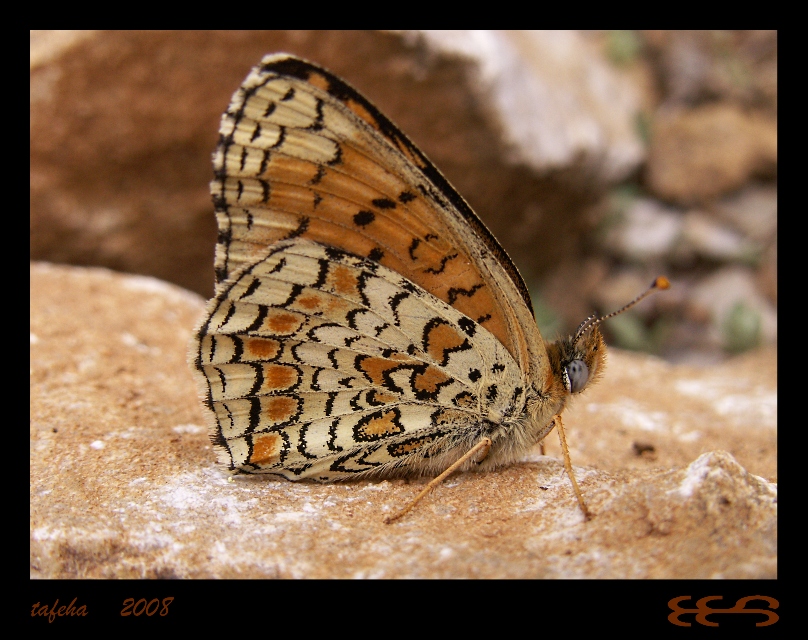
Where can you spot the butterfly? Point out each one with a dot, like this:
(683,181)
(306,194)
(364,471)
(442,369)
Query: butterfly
(365,322)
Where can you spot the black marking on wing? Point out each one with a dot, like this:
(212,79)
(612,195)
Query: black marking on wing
(230,313)
(319,175)
(361,283)
(281,264)
(332,437)
(322,274)
(468,326)
(258,370)
(264,162)
(259,319)
(383,203)
(302,227)
(317,125)
(220,203)
(281,137)
(332,358)
(337,159)
(315,382)
(443,262)
(354,402)
(454,292)
(297,289)
(351,317)
(255,414)
(222,379)
(238,349)
(334,254)
(413,246)
(463,399)
(311,334)
(329,404)
(254,286)
(364,218)
(302,444)
(395,301)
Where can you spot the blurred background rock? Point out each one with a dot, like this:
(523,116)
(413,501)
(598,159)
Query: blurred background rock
(599,159)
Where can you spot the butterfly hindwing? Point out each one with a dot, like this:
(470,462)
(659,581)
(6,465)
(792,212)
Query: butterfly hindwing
(318,363)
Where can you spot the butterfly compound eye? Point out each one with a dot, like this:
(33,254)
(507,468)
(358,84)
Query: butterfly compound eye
(578,374)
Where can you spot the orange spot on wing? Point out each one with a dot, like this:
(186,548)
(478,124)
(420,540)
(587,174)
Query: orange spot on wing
(282,322)
(266,449)
(344,280)
(318,80)
(375,368)
(262,348)
(380,425)
(279,376)
(385,397)
(451,417)
(465,400)
(359,110)
(441,338)
(404,448)
(279,408)
(430,380)
(308,302)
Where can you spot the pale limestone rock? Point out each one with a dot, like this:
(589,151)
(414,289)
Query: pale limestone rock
(677,464)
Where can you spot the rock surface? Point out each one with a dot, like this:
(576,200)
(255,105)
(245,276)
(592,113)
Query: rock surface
(677,464)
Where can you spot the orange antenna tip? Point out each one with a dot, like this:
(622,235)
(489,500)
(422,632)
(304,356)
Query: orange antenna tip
(660,283)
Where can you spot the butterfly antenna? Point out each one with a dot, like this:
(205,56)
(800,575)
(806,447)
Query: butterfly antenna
(660,283)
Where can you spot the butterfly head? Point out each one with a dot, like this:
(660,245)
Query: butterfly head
(579,359)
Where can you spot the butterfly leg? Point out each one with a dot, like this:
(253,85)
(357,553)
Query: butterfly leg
(568,466)
(483,445)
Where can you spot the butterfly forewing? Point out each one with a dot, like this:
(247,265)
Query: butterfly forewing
(302,154)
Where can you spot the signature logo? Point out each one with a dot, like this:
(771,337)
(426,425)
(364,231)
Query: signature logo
(702,610)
